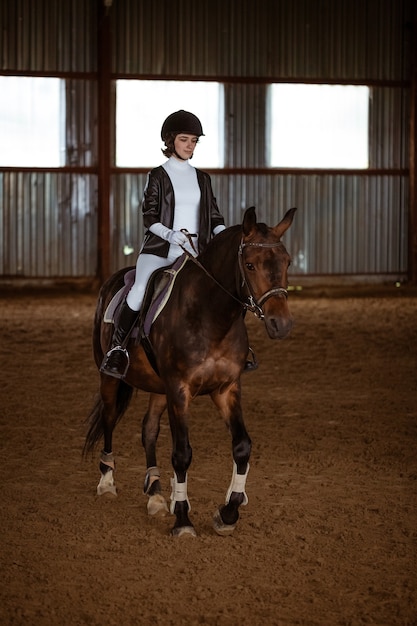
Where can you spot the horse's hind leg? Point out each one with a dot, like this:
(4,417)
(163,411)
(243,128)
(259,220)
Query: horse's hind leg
(112,403)
(150,430)
(229,404)
(107,468)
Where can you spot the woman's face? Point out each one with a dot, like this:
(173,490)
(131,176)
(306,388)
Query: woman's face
(185,144)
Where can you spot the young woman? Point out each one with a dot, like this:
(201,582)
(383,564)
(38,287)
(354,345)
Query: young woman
(177,197)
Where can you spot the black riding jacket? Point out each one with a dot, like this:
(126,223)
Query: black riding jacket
(158,206)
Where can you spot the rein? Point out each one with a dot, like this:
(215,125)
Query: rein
(252,304)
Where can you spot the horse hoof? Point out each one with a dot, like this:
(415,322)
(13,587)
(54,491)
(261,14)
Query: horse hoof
(107,484)
(183,531)
(157,506)
(220,527)
(104,489)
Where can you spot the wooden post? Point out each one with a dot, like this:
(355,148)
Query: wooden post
(104,150)
(412,221)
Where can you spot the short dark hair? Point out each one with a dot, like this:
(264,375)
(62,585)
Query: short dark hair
(169,144)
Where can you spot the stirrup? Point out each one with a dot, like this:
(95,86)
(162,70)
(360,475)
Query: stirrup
(252,364)
(115,371)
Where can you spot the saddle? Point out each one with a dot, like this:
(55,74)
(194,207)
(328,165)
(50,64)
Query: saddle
(158,291)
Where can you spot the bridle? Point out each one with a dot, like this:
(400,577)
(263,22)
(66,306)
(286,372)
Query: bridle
(253,305)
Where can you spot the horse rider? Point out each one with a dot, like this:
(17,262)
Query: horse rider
(178,199)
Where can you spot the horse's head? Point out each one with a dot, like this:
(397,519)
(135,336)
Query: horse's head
(264,263)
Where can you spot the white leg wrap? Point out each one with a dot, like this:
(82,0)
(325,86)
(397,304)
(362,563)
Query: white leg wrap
(178,493)
(107,458)
(152,475)
(238,484)
(107,484)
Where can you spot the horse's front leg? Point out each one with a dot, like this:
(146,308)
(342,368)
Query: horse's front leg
(150,430)
(229,405)
(181,460)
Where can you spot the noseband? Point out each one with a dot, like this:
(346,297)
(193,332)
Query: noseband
(253,305)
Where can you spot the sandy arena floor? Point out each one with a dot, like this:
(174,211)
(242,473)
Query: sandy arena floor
(329,534)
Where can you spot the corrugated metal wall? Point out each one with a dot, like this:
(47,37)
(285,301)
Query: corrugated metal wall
(290,39)
(49,224)
(344,225)
(48,220)
(48,36)
(348,223)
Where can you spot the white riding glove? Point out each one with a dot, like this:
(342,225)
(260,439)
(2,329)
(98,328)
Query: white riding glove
(172,236)
(218,229)
(177,237)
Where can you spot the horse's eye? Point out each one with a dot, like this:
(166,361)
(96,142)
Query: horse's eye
(250,267)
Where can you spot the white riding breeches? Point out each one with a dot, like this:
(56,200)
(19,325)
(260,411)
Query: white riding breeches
(145,266)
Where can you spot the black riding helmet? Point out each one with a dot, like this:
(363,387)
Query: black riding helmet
(181,122)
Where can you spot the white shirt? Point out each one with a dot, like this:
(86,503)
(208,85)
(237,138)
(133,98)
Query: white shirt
(187,194)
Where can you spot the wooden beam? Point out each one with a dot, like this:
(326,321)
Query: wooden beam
(412,221)
(104,133)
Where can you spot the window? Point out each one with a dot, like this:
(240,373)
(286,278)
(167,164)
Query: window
(30,122)
(318,126)
(142,106)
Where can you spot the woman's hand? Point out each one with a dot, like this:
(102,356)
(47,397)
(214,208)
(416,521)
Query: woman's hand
(177,237)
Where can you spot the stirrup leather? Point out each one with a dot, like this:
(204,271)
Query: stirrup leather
(251,363)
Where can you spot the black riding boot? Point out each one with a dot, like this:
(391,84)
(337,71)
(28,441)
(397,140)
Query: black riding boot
(116,361)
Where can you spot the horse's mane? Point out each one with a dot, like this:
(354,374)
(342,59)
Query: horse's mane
(218,247)
(228,233)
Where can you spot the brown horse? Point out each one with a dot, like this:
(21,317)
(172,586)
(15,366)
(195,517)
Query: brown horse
(199,346)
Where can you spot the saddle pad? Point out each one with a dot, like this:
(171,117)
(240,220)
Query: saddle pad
(161,296)
(109,313)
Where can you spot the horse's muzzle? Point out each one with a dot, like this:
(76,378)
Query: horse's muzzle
(278,327)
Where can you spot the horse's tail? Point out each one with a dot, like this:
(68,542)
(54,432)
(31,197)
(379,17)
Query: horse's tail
(95,420)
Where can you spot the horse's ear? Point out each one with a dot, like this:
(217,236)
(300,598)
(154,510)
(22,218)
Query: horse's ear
(285,223)
(249,221)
